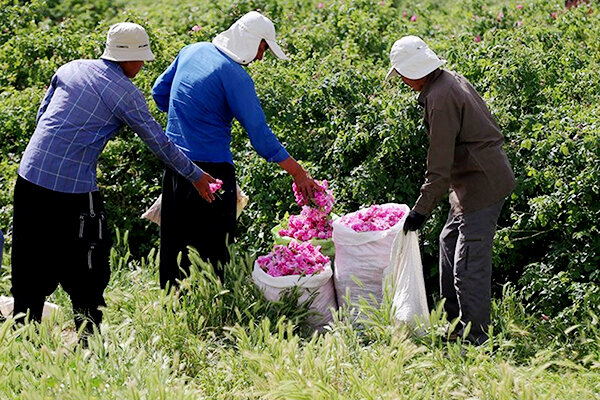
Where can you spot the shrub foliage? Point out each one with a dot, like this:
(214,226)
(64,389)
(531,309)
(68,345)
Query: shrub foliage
(536,66)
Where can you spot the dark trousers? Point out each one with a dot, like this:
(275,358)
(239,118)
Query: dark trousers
(466,268)
(189,220)
(59,238)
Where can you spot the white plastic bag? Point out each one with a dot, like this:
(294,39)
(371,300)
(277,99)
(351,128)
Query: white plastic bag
(362,257)
(321,283)
(153,213)
(7,305)
(405,280)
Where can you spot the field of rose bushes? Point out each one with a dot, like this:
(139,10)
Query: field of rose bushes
(535,63)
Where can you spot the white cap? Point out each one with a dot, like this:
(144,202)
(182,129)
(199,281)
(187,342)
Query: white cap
(241,40)
(127,41)
(412,59)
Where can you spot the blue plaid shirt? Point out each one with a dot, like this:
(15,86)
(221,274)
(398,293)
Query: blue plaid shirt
(87,102)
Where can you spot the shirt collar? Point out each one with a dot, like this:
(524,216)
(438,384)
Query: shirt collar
(427,88)
(113,66)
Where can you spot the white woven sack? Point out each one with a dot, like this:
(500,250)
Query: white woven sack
(322,283)
(362,257)
(8,303)
(405,280)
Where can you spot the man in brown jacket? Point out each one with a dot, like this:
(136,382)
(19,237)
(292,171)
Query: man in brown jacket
(466,158)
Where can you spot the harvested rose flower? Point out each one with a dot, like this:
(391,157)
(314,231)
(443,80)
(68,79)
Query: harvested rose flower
(314,221)
(310,224)
(297,258)
(322,197)
(374,218)
(215,187)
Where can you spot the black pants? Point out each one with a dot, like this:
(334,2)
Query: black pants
(189,220)
(59,238)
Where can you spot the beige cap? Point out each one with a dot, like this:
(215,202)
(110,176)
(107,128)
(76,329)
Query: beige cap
(127,41)
(241,40)
(412,59)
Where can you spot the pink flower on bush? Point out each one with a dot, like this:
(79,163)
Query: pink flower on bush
(297,258)
(320,5)
(405,14)
(519,6)
(413,18)
(500,16)
(374,218)
(553,15)
(215,187)
(195,28)
(477,39)
(519,23)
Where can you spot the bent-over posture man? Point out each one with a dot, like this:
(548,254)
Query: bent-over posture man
(60,227)
(466,157)
(203,90)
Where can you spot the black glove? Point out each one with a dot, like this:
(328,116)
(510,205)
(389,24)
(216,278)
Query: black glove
(414,221)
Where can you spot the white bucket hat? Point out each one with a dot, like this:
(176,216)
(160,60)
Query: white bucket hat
(127,41)
(241,40)
(412,59)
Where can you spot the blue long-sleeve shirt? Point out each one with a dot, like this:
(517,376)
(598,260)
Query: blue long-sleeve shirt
(87,102)
(203,90)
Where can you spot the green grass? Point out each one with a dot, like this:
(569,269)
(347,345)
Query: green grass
(223,341)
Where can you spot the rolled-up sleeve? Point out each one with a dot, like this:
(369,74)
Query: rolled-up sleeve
(245,106)
(444,126)
(133,111)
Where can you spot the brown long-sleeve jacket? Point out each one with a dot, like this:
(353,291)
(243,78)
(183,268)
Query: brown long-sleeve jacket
(465,152)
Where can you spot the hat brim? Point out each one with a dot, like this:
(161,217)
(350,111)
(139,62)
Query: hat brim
(392,73)
(119,55)
(418,71)
(274,47)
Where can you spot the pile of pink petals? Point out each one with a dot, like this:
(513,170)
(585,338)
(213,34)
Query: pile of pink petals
(297,258)
(313,221)
(374,218)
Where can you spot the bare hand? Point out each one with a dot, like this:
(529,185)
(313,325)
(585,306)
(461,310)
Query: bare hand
(203,188)
(305,184)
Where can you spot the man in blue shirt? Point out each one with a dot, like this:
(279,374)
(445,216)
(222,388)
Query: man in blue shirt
(203,90)
(60,228)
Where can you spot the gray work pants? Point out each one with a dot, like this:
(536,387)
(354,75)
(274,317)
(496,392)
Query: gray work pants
(466,268)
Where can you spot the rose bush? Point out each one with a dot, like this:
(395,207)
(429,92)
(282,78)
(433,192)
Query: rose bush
(536,66)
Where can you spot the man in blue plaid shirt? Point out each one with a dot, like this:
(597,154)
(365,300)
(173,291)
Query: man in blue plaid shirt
(60,233)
